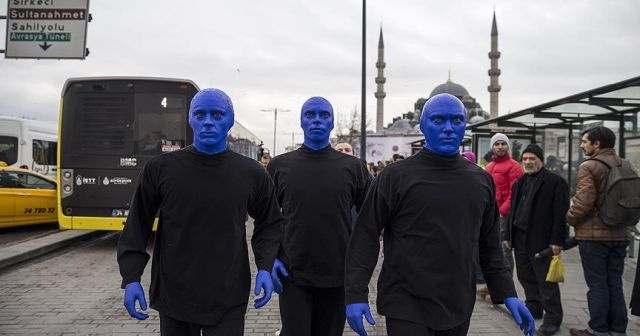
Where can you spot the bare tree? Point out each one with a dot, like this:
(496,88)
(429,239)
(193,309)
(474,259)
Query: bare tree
(347,127)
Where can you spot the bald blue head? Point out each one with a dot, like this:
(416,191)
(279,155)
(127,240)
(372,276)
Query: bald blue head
(443,122)
(316,120)
(211,117)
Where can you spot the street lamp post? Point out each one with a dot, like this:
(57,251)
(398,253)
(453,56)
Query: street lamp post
(275,125)
(363,116)
(293,139)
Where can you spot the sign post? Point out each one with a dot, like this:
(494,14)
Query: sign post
(47,29)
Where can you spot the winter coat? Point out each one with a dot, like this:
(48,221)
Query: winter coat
(505,172)
(591,182)
(549,204)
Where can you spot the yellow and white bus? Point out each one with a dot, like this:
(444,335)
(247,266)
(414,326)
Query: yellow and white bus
(109,127)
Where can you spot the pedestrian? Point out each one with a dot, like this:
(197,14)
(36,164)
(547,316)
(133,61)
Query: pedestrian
(602,248)
(440,217)
(317,186)
(469,155)
(265,159)
(505,172)
(635,295)
(344,147)
(201,194)
(397,157)
(539,202)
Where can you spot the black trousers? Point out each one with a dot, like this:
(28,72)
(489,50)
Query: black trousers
(227,327)
(312,311)
(396,327)
(540,294)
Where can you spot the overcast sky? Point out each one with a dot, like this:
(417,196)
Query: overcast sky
(278,53)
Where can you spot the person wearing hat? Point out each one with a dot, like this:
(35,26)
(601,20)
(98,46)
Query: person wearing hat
(505,172)
(539,202)
(200,276)
(469,155)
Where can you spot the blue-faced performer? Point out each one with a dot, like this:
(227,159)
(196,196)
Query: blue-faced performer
(201,194)
(316,186)
(439,214)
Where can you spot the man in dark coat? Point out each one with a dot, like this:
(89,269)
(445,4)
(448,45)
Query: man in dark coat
(539,202)
(440,217)
(635,295)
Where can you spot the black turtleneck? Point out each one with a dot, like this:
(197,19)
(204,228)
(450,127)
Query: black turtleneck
(439,213)
(200,269)
(316,190)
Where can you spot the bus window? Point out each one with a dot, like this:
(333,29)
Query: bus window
(159,123)
(8,149)
(44,152)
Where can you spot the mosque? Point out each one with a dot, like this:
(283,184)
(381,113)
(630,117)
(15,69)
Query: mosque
(398,136)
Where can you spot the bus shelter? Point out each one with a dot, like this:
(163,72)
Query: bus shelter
(556,126)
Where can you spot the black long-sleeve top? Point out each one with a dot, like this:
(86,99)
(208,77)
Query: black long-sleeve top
(439,214)
(200,268)
(317,190)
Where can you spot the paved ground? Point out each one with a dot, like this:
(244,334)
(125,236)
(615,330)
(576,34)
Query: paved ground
(76,292)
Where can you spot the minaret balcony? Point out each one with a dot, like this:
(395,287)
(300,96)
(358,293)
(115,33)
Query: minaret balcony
(494,72)
(494,88)
(381,64)
(494,54)
(381,80)
(380,94)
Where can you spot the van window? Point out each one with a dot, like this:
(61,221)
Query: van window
(8,149)
(44,152)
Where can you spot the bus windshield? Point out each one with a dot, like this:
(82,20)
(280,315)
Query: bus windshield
(159,128)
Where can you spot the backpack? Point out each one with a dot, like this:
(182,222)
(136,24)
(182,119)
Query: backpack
(621,204)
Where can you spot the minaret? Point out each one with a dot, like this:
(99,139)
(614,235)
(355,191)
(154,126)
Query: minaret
(494,71)
(380,80)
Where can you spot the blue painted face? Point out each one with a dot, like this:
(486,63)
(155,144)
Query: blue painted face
(210,117)
(443,122)
(316,120)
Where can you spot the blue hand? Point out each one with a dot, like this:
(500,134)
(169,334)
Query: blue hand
(355,311)
(521,315)
(278,266)
(133,292)
(263,282)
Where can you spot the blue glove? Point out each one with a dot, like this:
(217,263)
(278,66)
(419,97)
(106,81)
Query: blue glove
(133,292)
(263,281)
(521,315)
(355,311)
(278,266)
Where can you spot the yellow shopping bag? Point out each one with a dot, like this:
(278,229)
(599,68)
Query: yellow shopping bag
(556,270)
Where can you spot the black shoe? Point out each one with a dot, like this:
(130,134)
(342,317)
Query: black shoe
(577,332)
(548,329)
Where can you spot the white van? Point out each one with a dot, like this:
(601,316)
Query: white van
(30,144)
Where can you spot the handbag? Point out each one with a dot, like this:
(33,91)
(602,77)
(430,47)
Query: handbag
(556,270)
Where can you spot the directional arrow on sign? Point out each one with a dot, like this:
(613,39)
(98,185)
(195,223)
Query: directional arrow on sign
(45,46)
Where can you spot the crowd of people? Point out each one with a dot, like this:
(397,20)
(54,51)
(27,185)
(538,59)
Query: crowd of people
(319,213)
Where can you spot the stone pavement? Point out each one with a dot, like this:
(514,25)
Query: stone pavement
(487,319)
(76,292)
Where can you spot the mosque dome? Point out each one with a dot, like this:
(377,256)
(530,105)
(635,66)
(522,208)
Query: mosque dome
(400,126)
(476,119)
(450,88)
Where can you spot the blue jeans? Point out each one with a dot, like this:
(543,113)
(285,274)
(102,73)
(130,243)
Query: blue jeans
(603,264)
